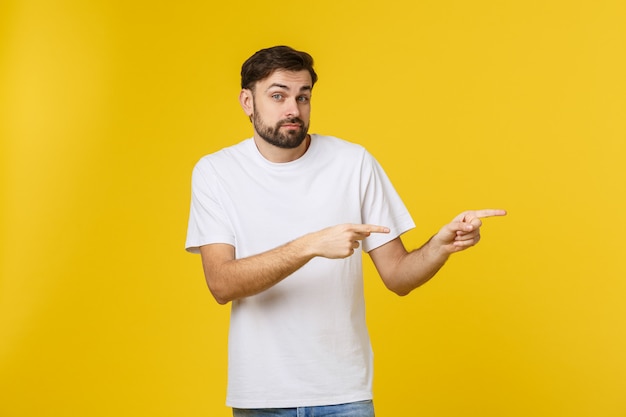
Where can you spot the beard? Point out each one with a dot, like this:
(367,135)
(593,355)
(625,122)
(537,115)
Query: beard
(289,139)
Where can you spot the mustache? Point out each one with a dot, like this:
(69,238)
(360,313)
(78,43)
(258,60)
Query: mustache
(290,121)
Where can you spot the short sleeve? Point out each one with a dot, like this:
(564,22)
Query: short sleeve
(381,205)
(208,222)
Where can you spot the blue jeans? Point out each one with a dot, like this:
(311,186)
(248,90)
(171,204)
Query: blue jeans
(356,409)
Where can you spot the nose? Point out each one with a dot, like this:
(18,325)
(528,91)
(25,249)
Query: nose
(292,110)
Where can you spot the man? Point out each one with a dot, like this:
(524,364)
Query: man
(278,220)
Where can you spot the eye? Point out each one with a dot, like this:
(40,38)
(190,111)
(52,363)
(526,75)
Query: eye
(277,96)
(303,99)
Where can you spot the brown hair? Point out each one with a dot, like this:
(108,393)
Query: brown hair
(264,62)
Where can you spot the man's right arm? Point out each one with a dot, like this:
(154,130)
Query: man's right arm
(229,278)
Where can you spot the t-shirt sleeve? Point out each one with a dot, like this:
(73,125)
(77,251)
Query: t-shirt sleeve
(381,205)
(208,222)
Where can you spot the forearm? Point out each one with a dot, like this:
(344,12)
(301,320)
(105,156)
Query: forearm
(403,271)
(418,266)
(237,278)
(229,278)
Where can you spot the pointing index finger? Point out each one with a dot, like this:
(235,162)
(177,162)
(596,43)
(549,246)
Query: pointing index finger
(371,228)
(481,214)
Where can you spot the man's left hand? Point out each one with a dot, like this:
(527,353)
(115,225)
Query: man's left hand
(464,230)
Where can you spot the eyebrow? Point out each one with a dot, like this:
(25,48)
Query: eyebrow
(284,87)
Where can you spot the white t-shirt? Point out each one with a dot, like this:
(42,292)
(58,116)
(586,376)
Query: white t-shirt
(303,342)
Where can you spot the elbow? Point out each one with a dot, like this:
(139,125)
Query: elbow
(396,286)
(402,285)
(220,296)
(402,292)
(220,300)
(399,290)
(404,288)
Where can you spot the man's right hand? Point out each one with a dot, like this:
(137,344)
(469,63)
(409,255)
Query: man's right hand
(340,241)
(230,278)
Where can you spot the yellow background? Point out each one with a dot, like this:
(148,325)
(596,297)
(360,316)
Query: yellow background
(105,106)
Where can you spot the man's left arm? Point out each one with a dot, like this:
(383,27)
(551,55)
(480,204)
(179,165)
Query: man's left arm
(403,271)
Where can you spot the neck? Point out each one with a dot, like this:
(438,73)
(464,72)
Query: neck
(281,155)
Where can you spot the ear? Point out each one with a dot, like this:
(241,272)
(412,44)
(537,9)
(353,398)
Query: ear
(246,101)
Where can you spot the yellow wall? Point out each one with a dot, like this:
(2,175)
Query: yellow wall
(105,106)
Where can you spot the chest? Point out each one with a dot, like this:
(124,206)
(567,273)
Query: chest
(269,208)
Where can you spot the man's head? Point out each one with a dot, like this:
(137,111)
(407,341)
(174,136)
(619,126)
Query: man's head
(264,62)
(276,92)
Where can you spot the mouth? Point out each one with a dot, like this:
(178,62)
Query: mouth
(291,126)
(291,123)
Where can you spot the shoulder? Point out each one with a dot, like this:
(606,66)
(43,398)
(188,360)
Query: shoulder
(339,146)
(347,152)
(225,157)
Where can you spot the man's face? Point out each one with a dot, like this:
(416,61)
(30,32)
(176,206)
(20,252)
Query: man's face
(281,108)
